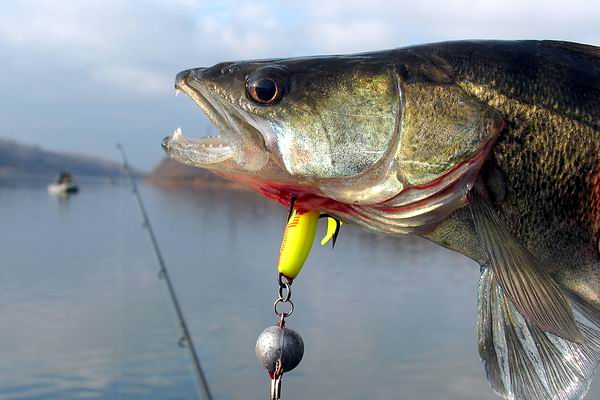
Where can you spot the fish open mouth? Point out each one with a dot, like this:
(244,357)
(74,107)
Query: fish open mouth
(199,151)
(237,139)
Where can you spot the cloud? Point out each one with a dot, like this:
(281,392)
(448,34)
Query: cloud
(104,54)
(157,32)
(133,80)
(338,25)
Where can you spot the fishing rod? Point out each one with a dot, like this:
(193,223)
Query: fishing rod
(186,339)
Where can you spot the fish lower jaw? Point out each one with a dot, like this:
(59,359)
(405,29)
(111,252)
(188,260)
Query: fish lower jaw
(200,152)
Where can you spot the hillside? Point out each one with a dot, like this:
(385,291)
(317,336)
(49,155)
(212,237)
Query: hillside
(171,174)
(16,158)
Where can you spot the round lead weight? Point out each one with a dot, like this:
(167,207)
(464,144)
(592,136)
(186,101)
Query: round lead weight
(275,343)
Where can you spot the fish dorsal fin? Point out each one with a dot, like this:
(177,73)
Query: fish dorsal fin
(522,362)
(530,289)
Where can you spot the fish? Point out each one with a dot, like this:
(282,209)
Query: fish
(487,148)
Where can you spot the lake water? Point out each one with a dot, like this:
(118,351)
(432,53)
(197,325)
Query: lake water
(84,315)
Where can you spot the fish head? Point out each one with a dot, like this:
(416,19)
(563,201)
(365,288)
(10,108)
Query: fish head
(354,136)
(333,120)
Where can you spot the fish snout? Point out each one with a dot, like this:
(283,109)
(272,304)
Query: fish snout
(182,76)
(204,73)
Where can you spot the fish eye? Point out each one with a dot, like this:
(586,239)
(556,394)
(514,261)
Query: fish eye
(264,91)
(267,85)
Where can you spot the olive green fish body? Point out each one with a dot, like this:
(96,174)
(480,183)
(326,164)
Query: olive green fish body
(489,148)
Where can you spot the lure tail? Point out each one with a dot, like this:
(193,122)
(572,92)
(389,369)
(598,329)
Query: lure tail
(333,229)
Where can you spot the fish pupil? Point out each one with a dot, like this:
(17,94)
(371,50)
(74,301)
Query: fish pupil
(264,91)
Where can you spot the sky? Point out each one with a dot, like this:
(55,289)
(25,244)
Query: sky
(80,76)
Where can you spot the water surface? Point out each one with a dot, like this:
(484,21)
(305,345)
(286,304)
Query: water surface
(84,315)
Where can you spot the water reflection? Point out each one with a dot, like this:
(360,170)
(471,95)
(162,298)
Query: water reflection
(83,315)
(62,199)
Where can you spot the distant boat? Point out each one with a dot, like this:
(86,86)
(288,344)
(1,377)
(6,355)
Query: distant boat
(63,184)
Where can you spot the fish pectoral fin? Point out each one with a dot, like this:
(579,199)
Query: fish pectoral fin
(528,287)
(522,361)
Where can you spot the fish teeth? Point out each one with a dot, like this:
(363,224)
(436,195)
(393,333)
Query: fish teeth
(177,133)
(177,91)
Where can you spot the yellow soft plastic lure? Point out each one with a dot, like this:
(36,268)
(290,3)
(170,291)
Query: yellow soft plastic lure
(298,238)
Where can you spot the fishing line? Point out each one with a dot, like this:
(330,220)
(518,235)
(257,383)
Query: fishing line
(186,338)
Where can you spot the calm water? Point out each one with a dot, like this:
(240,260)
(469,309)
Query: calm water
(83,314)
